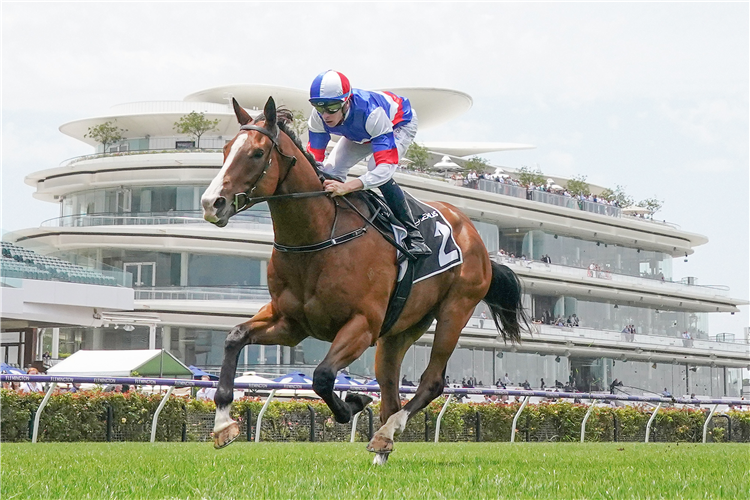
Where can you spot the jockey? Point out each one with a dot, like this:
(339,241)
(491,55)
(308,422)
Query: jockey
(380,124)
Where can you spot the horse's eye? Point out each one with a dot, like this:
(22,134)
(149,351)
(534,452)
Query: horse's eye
(258,154)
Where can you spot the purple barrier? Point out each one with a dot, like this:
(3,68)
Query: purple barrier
(369,388)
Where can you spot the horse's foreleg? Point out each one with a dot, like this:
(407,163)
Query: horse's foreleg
(350,342)
(263,328)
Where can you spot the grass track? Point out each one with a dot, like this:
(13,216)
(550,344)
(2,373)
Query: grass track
(343,470)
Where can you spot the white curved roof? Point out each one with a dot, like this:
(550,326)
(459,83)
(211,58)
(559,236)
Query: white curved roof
(154,118)
(157,118)
(471,148)
(434,106)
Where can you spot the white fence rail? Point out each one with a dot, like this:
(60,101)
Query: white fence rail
(450,391)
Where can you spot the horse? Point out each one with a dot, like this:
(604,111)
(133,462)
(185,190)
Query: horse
(338,291)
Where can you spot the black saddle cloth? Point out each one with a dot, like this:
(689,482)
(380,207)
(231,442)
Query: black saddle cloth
(435,230)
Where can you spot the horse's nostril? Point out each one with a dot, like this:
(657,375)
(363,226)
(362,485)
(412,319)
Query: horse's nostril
(220,203)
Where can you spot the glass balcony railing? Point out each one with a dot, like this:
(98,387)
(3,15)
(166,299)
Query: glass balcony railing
(259,293)
(248,220)
(481,184)
(76,159)
(608,275)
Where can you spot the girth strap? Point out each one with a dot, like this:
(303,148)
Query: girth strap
(338,240)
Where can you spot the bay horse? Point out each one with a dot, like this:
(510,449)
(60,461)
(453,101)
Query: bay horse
(340,293)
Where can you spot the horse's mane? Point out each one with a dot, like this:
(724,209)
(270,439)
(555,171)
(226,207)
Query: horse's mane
(284,120)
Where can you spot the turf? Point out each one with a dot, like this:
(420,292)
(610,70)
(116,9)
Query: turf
(343,470)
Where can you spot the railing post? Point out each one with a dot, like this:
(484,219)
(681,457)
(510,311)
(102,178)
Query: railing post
(184,422)
(370,425)
(110,418)
(615,429)
(249,420)
(426,426)
(158,411)
(650,420)
(312,423)
(31,424)
(260,415)
(478,426)
(440,417)
(708,420)
(585,419)
(515,419)
(38,415)
(729,426)
(355,419)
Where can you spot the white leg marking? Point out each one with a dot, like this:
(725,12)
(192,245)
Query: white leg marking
(222,419)
(380,459)
(395,425)
(214,189)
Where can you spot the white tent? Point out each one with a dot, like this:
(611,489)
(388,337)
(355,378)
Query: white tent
(112,363)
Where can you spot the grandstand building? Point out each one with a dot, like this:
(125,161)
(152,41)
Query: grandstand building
(136,208)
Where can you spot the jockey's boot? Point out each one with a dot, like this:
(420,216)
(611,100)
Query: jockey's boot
(396,201)
(416,245)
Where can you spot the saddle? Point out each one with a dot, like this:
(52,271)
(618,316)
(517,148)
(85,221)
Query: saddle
(437,233)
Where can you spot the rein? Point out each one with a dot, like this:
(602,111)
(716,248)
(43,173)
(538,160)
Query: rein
(243,200)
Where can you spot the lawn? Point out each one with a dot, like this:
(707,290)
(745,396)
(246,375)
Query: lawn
(343,470)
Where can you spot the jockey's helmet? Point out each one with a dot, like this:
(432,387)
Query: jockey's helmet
(329,90)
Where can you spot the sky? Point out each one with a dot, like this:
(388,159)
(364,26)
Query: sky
(650,97)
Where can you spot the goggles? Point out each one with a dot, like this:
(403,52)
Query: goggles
(327,107)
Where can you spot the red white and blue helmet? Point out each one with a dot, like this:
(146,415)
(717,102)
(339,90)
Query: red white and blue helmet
(330,86)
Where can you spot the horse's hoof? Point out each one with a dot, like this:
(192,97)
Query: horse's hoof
(380,445)
(226,436)
(380,458)
(357,402)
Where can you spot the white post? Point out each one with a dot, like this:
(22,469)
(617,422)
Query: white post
(158,410)
(38,415)
(55,343)
(152,336)
(440,417)
(515,419)
(354,426)
(583,424)
(708,420)
(650,420)
(260,415)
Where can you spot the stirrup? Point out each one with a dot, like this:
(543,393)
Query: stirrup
(419,248)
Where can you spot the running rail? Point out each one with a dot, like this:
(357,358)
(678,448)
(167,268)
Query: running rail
(585,419)
(440,416)
(272,387)
(38,415)
(708,421)
(651,420)
(515,419)
(6,377)
(158,411)
(260,415)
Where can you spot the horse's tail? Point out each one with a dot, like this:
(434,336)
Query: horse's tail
(504,300)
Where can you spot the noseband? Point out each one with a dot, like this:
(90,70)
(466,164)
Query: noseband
(242,200)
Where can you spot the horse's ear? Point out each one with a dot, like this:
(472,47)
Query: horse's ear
(269,111)
(242,116)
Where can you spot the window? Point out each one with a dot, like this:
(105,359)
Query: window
(143,273)
(184,144)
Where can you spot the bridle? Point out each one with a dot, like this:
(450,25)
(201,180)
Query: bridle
(243,200)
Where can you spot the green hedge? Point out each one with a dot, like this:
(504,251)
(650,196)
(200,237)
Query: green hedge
(83,417)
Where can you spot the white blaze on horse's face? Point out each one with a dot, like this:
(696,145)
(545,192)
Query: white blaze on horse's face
(211,210)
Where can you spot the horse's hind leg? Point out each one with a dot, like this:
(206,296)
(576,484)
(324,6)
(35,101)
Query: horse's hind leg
(450,321)
(263,328)
(350,342)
